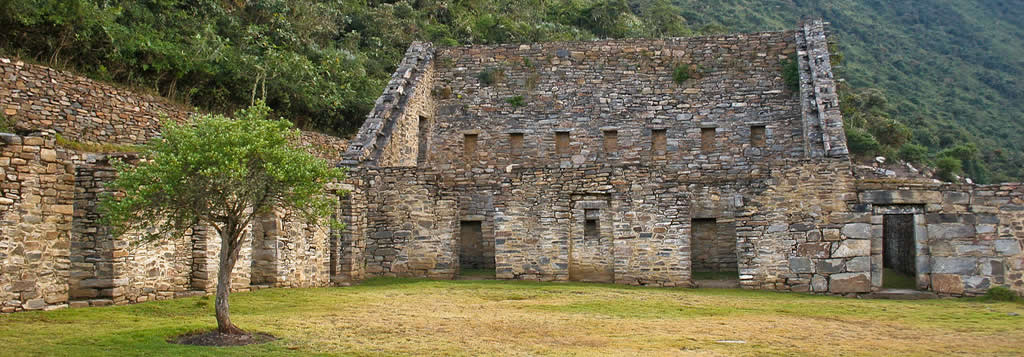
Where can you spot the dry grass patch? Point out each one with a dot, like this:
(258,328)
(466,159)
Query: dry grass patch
(418,317)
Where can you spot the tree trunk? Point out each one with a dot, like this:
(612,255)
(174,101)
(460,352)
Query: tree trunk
(229,247)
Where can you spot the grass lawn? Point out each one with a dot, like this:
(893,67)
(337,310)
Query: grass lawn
(894,279)
(716,275)
(486,317)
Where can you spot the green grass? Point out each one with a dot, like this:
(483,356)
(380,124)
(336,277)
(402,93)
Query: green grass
(492,317)
(893,279)
(716,275)
(95,147)
(481,273)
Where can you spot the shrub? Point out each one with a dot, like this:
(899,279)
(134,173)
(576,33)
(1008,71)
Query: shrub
(860,142)
(1001,293)
(516,101)
(6,126)
(681,74)
(913,153)
(791,74)
(948,167)
(490,76)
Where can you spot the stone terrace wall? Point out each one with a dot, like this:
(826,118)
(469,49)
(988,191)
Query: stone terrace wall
(79,108)
(36,207)
(589,88)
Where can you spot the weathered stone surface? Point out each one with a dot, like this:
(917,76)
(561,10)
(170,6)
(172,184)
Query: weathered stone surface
(849,283)
(1007,247)
(950,230)
(947,284)
(801,265)
(814,250)
(954,265)
(819,283)
(850,248)
(857,230)
(826,266)
(858,264)
(900,197)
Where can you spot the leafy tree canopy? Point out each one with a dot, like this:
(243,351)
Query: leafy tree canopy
(223,173)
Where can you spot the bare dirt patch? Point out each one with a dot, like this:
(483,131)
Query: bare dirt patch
(214,338)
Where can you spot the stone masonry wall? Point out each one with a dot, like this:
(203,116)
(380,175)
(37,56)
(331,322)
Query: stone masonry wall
(968,238)
(79,108)
(113,270)
(589,89)
(36,207)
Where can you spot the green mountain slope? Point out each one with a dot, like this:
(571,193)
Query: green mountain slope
(952,70)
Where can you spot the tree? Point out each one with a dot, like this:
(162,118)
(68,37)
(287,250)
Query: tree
(220,172)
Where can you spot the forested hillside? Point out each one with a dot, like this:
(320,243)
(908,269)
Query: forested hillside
(935,81)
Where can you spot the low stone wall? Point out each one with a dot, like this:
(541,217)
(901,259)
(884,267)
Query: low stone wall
(36,208)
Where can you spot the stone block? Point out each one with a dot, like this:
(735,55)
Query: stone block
(35,304)
(858,264)
(829,266)
(1007,247)
(954,265)
(819,283)
(857,230)
(947,284)
(849,283)
(850,248)
(950,230)
(900,197)
(814,250)
(956,198)
(801,265)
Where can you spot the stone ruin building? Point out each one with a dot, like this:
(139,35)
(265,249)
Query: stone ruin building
(569,161)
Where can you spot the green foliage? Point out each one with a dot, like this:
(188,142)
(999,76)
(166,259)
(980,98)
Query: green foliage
(860,142)
(489,76)
(6,125)
(682,73)
(948,167)
(516,101)
(321,63)
(791,74)
(214,170)
(1000,293)
(913,153)
(95,147)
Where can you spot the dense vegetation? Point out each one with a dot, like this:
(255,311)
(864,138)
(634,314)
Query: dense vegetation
(948,73)
(933,81)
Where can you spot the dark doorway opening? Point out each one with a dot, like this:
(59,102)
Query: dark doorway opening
(898,252)
(712,250)
(473,258)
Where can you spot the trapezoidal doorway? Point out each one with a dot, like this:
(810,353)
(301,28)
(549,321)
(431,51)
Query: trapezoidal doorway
(713,261)
(898,252)
(476,258)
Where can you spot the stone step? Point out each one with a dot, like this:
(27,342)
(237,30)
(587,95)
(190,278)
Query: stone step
(717,284)
(901,294)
